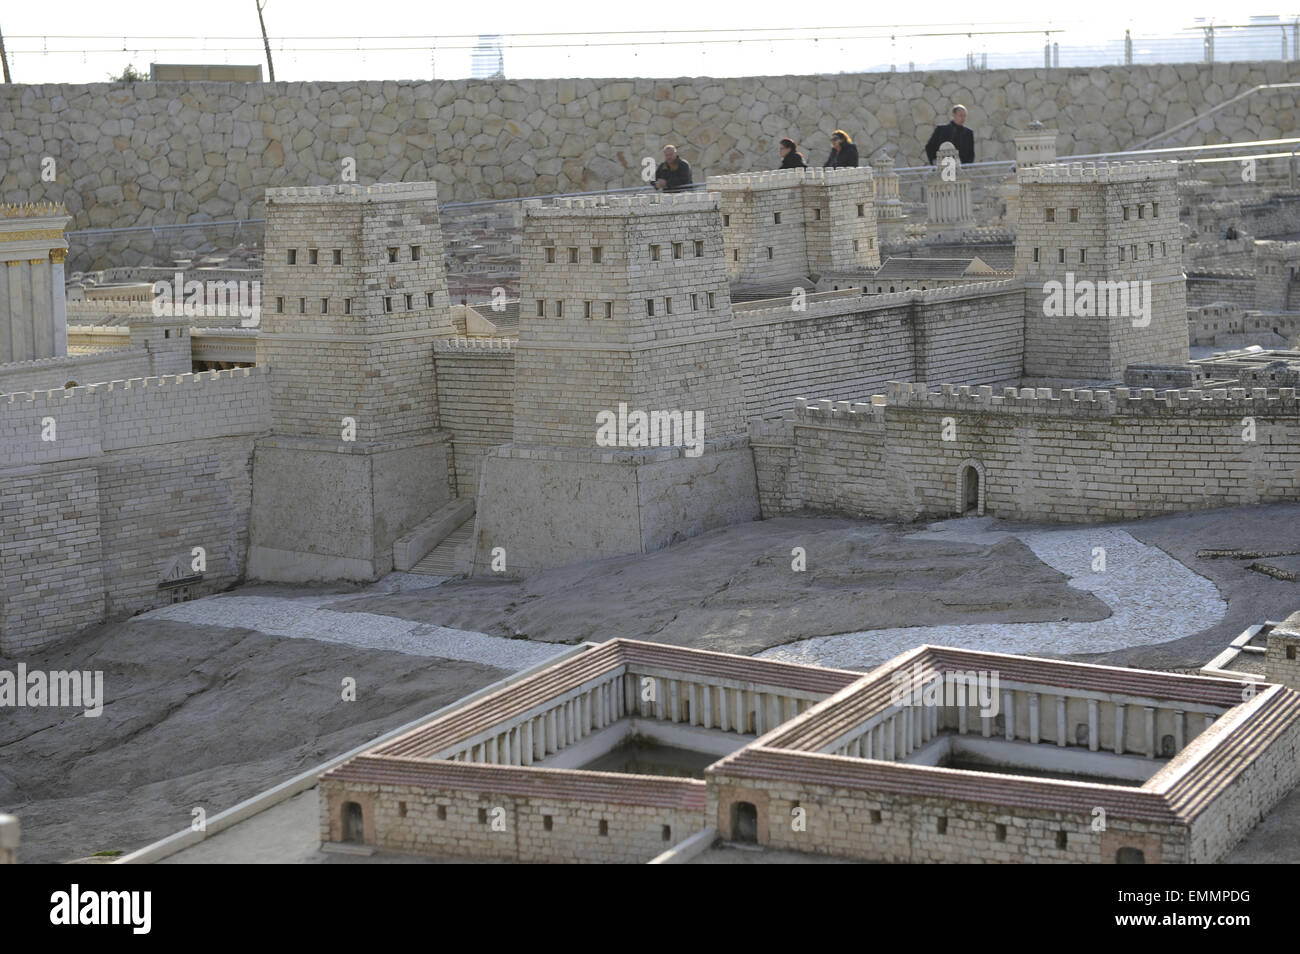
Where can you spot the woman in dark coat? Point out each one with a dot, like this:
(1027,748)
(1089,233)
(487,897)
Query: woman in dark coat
(791,157)
(843,152)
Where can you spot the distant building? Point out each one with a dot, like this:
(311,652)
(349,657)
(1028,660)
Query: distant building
(488,62)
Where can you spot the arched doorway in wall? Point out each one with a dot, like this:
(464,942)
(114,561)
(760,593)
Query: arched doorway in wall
(970,488)
(354,829)
(744,822)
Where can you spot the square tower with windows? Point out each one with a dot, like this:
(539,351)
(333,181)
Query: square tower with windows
(1099,251)
(629,427)
(354,296)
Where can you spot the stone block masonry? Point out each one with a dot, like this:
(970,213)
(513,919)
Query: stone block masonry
(159,153)
(476,390)
(1068,456)
(137,474)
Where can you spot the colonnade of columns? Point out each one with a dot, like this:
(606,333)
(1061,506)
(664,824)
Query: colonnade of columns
(896,733)
(578,714)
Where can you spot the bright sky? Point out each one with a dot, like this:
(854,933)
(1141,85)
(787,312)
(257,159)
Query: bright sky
(325,39)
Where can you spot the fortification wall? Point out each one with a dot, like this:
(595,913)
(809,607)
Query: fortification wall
(476,392)
(154,153)
(82,369)
(1237,290)
(1078,455)
(131,476)
(901,828)
(847,343)
(459,824)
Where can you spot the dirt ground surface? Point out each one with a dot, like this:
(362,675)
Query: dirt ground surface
(206,716)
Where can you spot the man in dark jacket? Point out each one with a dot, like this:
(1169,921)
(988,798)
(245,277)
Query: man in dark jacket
(843,152)
(674,173)
(956,133)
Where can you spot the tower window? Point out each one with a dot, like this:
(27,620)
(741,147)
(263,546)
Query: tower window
(677,250)
(167,332)
(559,309)
(388,305)
(668,306)
(408,302)
(573,256)
(776,218)
(604,827)
(1074,217)
(941,827)
(392,254)
(586,309)
(541,308)
(855,245)
(428,299)
(293,256)
(710,301)
(654,253)
(1060,255)
(1051,215)
(596,251)
(338,256)
(1126,213)
(1163,250)
(695,302)
(1151,249)
(862,210)
(415,253)
(1083,255)
(1141,209)
(735,254)
(279,306)
(699,249)
(609,309)
(347,306)
(302,306)
(769,252)
(1155,210)
(548,823)
(324,306)
(312,256)
(1035,255)
(1062,840)
(817,215)
(726,220)
(550,255)
(1121,253)
(650,307)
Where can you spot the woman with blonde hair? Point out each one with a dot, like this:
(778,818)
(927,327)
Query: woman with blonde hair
(843,152)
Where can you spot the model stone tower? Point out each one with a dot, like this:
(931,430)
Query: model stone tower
(355,293)
(785,226)
(948,194)
(624,310)
(1098,249)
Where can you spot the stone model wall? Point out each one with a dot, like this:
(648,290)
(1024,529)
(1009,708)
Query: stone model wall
(46,373)
(476,397)
(847,343)
(155,153)
(1221,286)
(899,828)
(138,473)
(1074,456)
(459,824)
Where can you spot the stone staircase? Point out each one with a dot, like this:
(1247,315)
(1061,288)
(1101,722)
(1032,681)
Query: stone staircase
(453,556)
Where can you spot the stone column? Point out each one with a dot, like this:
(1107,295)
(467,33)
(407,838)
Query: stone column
(1119,728)
(1060,721)
(1180,731)
(1034,733)
(1094,740)
(1151,731)
(706,702)
(1009,714)
(867,747)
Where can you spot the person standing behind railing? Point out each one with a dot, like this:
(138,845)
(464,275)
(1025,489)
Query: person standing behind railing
(674,173)
(956,133)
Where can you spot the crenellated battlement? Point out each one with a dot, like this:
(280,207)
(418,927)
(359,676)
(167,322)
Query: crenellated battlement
(1108,172)
(461,344)
(32,210)
(620,206)
(162,380)
(1069,402)
(790,178)
(350,192)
